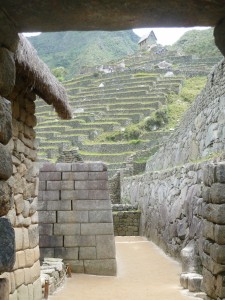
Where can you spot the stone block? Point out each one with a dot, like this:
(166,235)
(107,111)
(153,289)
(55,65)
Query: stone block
(22,293)
(81,185)
(67,253)
(47,217)
(19,277)
(220,172)
(101,216)
(209,174)
(73,216)
(4,288)
(67,185)
(215,213)
(7,246)
(37,290)
(206,194)
(26,237)
(48,167)
(48,241)
(53,185)
(59,205)
(217,253)
(105,267)
(97,175)
(66,229)
(36,253)
(97,166)
(208,230)
(92,205)
(35,271)
(75,176)
(194,283)
(209,283)
(29,257)
(98,195)
(217,193)
(45,229)
(220,286)
(91,185)
(5,120)
(87,253)
(33,234)
(18,238)
(63,167)
(105,245)
(219,234)
(77,266)
(42,185)
(30,291)
(46,252)
(74,195)
(214,267)
(50,195)
(80,167)
(50,176)
(13,296)
(79,240)
(5,198)
(21,259)
(96,228)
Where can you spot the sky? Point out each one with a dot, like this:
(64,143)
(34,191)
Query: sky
(165,36)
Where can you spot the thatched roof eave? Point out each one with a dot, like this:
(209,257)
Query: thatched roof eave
(40,78)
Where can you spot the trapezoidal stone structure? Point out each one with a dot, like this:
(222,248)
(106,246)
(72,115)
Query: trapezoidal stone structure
(75,217)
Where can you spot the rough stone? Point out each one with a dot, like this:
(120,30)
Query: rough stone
(6,166)
(5,198)
(7,246)
(4,288)
(5,118)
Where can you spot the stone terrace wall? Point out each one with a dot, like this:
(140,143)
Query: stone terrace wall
(201,131)
(170,202)
(75,217)
(18,197)
(126,220)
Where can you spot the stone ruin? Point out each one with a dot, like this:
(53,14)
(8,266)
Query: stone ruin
(189,197)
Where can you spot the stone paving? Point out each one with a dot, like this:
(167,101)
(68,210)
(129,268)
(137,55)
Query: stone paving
(144,273)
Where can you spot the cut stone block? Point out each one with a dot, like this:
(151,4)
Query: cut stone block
(67,253)
(67,229)
(101,216)
(75,176)
(5,119)
(220,172)
(50,195)
(4,288)
(72,217)
(87,253)
(47,217)
(105,246)
(50,176)
(96,228)
(98,176)
(92,205)
(100,267)
(217,193)
(79,240)
(98,195)
(47,241)
(77,266)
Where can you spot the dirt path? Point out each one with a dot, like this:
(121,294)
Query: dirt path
(144,273)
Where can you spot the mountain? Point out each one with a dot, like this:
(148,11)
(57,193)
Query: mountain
(75,49)
(197,42)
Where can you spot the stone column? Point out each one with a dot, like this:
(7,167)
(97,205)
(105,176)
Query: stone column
(213,256)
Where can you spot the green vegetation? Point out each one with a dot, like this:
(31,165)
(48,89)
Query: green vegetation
(76,51)
(197,42)
(178,104)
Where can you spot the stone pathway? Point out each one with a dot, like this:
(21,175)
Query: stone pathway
(144,273)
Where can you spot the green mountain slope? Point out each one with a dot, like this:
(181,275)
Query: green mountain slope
(197,42)
(74,50)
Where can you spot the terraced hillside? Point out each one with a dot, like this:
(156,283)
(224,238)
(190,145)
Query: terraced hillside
(108,109)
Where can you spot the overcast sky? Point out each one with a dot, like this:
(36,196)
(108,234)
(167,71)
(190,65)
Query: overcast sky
(165,36)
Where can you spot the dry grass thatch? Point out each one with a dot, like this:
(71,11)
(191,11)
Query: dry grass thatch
(41,79)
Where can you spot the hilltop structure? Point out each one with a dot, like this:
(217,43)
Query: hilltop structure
(147,41)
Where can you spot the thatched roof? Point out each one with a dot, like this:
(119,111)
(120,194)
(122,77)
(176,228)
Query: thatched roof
(40,78)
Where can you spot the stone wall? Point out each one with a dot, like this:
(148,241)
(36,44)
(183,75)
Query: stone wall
(126,220)
(213,254)
(201,131)
(75,217)
(170,202)
(18,196)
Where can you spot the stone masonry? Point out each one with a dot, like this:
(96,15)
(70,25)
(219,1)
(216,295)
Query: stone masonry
(75,217)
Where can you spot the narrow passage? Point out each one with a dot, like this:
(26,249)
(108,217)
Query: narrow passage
(144,273)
